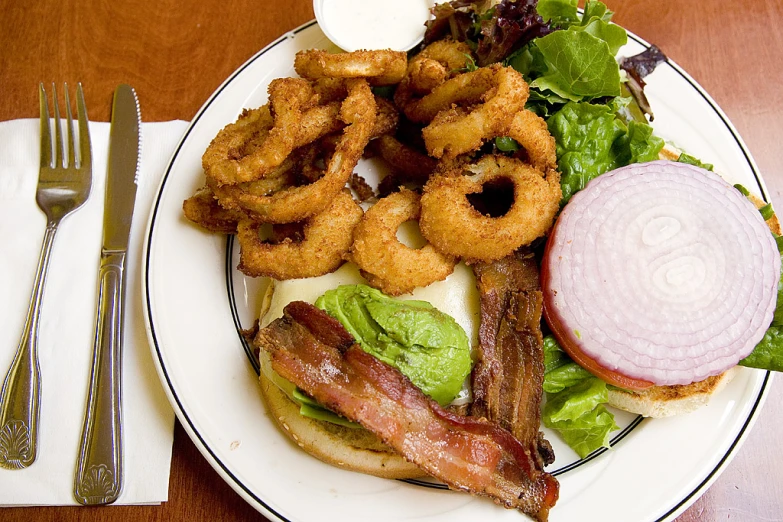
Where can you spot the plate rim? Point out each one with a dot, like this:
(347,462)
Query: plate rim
(222,469)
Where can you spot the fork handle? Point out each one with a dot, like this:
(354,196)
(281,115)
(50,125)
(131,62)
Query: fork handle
(20,398)
(98,477)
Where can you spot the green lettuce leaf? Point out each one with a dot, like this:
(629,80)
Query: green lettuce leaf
(591,140)
(564,13)
(575,401)
(560,371)
(614,35)
(311,409)
(559,13)
(582,397)
(637,145)
(577,62)
(554,356)
(530,63)
(564,377)
(692,160)
(589,432)
(579,66)
(777,319)
(584,134)
(595,9)
(768,354)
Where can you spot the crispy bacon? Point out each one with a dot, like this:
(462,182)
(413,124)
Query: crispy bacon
(509,374)
(313,350)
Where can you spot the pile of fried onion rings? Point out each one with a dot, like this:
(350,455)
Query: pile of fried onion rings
(279,177)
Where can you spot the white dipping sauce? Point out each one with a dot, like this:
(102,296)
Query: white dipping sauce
(373,24)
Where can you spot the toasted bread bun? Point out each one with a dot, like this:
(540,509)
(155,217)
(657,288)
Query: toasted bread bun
(354,449)
(665,401)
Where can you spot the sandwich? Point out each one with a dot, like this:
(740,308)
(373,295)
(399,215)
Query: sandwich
(327,436)
(666,401)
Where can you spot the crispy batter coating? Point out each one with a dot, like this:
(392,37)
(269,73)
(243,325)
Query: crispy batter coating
(453,132)
(410,163)
(386,263)
(362,189)
(295,203)
(454,226)
(435,64)
(532,133)
(384,67)
(203,209)
(386,118)
(327,236)
(223,160)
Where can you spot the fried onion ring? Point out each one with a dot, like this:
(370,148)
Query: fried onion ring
(222,161)
(386,119)
(242,196)
(435,64)
(455,131)
(386,263)
(412,164)
(203,209)
(451,223)
(532,133)
(469,88)
(295,203)
(335,89)
(438,62)
(327,237)
(314,123)
(384,67)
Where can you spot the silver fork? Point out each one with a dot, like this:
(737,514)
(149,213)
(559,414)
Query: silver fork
(63,186)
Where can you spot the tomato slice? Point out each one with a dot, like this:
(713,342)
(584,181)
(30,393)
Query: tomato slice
(572,346)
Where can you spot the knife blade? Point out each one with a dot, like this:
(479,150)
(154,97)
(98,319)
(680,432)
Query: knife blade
(124,149)
(99,470)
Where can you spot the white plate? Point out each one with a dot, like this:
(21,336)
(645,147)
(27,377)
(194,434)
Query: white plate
(195,302)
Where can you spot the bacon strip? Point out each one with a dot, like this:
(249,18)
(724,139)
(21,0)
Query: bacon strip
(313,350)
(509,375)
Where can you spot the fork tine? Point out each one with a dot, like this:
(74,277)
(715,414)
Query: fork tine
(46,133)
(69,117)
(85,149)
(58,131)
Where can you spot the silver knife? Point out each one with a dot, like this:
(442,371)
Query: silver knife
(99,467)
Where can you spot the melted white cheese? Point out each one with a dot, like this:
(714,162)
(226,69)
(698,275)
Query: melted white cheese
(456,296)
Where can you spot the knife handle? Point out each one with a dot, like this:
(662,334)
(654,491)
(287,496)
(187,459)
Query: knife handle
(98,477)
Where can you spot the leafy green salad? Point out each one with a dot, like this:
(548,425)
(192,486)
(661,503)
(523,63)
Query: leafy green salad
(595,108)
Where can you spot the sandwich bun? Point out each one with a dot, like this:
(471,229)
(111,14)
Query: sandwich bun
(666,401)
(349,448)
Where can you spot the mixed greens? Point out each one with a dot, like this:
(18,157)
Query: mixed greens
(595,108)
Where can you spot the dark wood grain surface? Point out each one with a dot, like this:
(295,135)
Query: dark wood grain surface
(175,53)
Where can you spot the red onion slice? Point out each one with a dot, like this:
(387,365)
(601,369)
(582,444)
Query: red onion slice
(661,272)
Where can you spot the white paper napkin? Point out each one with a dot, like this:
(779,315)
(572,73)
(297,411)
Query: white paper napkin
(67,320)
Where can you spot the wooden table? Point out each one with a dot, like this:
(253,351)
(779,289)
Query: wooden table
(175,53)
